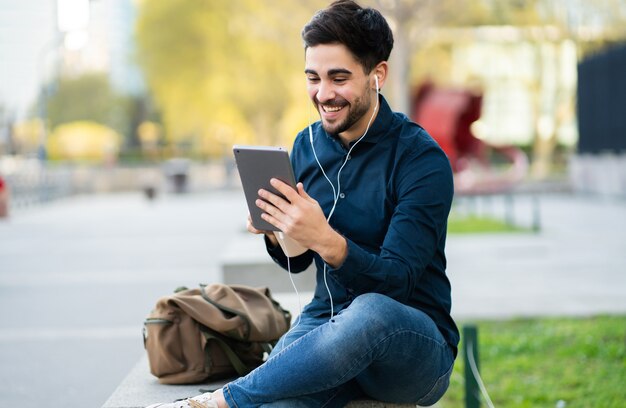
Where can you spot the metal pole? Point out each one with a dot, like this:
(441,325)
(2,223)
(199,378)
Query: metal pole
(470,357)
(509,210)
(536,214)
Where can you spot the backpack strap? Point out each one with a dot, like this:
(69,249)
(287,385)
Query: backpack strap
(236,362)
(267,347)
(228,311)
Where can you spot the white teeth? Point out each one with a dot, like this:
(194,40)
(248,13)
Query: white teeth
(332,108)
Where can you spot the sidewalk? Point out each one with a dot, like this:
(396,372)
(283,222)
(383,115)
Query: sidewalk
(576,264)
(78,276)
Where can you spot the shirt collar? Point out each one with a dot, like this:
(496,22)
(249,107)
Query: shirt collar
(377,130)
(381,124)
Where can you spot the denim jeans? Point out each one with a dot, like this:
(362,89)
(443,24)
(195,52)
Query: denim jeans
(375,348)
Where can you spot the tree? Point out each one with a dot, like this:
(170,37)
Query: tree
(417,23)
(88,97)
(224,72)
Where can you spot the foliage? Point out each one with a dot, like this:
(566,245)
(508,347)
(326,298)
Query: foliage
(27,135)
(224,72)
(539,362)
(89,97)
(84,141)
(231,72)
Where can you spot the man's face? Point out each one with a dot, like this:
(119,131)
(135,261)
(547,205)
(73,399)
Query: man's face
(339,89)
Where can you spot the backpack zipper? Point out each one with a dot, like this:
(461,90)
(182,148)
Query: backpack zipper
(152,320)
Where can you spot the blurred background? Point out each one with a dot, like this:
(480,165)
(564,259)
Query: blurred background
(101,90)
(117,119)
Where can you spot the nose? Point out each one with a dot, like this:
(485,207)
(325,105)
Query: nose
(325,91)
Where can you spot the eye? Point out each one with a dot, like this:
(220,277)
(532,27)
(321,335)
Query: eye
(340,80)
(312,79)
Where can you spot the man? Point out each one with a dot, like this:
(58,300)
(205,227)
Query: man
(371,207)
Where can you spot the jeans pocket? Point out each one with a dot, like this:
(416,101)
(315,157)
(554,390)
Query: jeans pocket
(437,390)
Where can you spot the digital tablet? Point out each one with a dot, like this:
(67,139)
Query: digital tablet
(256,166)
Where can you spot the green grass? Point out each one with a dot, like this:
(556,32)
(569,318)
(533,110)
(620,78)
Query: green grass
(478,224)
(539,362)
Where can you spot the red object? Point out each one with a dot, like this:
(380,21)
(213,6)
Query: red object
(447,115)
(4,199)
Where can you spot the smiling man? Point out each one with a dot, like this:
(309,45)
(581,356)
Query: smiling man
(371,206)
(341,90)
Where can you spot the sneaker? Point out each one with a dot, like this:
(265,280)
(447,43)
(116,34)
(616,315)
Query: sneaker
(201,401)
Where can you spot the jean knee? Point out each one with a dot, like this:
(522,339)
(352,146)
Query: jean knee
(373,302)
(372,310)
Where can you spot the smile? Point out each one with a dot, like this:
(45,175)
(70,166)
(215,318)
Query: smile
(331,109)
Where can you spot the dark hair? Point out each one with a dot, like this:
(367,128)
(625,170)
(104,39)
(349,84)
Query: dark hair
(364,31)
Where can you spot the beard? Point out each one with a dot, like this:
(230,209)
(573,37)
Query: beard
(356,110)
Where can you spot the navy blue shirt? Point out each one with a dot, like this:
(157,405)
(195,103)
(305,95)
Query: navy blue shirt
(396,193)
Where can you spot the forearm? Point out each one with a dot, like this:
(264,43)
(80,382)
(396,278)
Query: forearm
(364,272)
(332,247)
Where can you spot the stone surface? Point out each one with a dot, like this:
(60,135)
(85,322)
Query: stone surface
(78,276)
(245,261)
(140,389)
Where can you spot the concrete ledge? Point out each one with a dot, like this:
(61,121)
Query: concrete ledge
(245,261)
(140,389)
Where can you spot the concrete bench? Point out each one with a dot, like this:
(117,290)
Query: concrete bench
(244,261)
(140,389)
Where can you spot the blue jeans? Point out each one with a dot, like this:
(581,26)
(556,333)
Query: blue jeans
(375,348)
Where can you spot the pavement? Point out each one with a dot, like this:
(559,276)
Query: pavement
(78,276)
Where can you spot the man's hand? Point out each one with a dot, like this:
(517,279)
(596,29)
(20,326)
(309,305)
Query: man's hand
(269,234)
(301,218)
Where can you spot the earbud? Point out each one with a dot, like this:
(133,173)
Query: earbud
(376,78)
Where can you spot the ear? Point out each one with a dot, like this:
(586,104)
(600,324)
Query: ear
(380,71)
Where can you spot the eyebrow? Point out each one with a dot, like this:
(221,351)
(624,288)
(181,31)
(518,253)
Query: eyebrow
(331,72)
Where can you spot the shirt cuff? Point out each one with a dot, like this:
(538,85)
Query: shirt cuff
(273,251)
(355,260)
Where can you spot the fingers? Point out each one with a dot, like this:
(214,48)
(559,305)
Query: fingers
(251,228)
(303,193)
(274,221)
(286,212)
(269,234)
(285,189)
(275,200)
(271,207)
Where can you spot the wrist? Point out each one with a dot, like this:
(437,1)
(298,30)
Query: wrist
(333,249)
(271,238)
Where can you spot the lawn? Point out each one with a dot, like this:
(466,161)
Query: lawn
(473,224)
(549,362)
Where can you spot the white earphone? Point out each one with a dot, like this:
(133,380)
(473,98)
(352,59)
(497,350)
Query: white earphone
(337,191)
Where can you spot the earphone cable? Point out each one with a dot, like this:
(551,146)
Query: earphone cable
(295,288)
(337,192)
(346,160)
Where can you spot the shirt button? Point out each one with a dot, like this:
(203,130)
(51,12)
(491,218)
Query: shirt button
(349,157)
(342,195)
